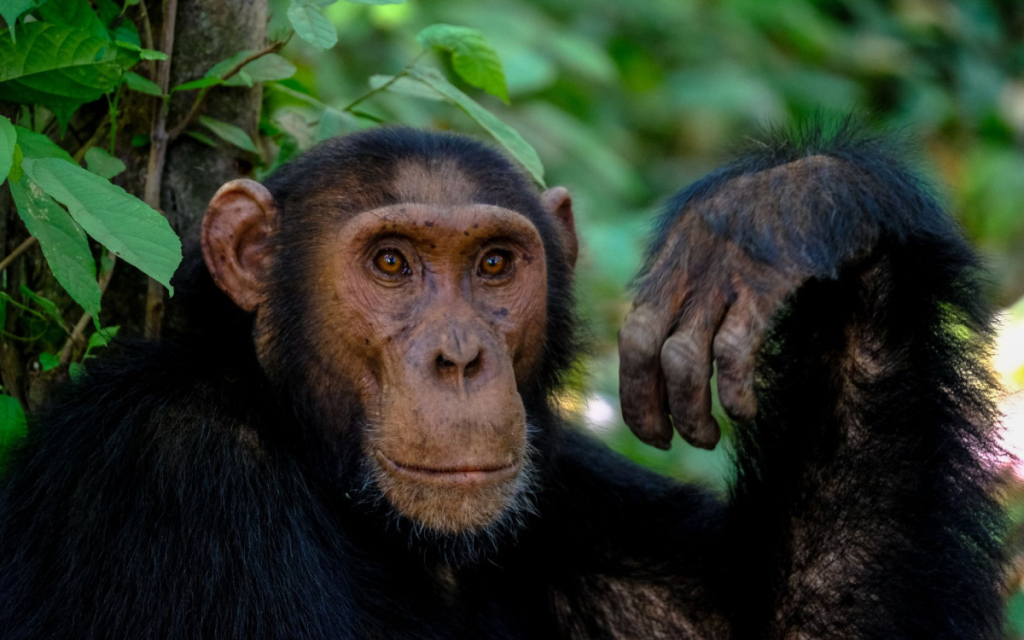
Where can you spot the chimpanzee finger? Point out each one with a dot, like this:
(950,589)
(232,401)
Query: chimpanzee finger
(641,382)
(686,361)
(735,350)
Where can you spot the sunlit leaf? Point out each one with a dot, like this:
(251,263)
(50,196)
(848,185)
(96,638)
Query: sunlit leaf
(121,222)
(102,163)
(229,133)
(144,54)
(8,141)
(312,25)
(376,2)
(473,58)
(63,243)
(508,137)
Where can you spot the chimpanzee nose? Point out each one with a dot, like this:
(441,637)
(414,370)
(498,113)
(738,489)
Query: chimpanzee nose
(459,360)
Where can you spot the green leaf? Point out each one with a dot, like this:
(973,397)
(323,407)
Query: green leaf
(144,54)
(100,162)
(76,371)
(48,306)
(108,12)
(63,243)
(121,222)
(13,426)
(376,2)
(508,137)
(405,86)
(201,137)
(266,68)
(102,337)
(473,58)
(136,82)
(333,123)
(140,140)
(8,142)
(312,25)
(11,10)
(197,84)
(48,361)
(229,133)
(126,33)
(36,145)
(15,174)
(74,13)
(59,67)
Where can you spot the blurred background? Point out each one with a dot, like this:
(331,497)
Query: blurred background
(627,102)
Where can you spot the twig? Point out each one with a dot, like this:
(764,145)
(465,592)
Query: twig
(401,74)
(157,159)
(78,333)
(101,130)
(198,102)
(20,249)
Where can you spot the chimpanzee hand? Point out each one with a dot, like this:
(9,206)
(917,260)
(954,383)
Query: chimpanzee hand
(721,271)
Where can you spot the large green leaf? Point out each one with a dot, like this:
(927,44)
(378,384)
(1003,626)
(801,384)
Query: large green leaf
(473,58)
(58,66)
(63,243)
(123,223)
(311,24)
(12,425)
(229,133)
(8,139)
(73,13)
(508,137)
(375,2)
(36,145)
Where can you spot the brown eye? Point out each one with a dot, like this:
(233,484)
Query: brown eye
(495,264)
(392,263)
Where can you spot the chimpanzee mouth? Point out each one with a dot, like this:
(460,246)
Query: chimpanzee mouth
(459,475)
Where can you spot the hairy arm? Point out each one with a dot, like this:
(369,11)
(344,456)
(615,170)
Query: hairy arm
(843,312)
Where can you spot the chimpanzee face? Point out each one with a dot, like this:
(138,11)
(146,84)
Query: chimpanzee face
(432,312)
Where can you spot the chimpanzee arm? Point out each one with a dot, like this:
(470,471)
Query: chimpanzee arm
(844,313)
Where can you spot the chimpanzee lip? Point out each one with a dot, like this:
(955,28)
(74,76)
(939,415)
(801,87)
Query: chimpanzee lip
(461,474)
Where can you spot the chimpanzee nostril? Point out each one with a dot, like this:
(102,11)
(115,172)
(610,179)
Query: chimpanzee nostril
(472,367)
(444,365)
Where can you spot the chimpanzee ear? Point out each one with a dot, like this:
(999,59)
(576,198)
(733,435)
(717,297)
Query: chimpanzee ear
(557,202)
(236,227)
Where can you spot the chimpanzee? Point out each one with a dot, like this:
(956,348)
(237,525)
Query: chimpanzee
(357,436)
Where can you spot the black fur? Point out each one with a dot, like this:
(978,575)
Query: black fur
(179,492)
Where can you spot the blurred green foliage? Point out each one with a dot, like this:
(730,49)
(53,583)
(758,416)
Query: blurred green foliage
(628,102)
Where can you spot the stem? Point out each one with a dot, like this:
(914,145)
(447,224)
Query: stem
(157,159)
(393,80)
(78,333)
(198,102)
(20,249)
(147,37)
(101,130)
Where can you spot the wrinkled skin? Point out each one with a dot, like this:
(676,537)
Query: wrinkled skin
(434,339)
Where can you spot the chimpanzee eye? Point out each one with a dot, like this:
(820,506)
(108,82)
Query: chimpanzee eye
(495,264)
(391,262)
